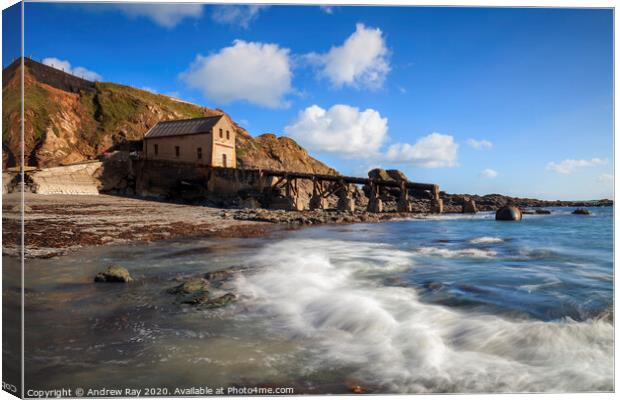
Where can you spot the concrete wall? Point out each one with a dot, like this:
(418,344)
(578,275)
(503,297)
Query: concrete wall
(10,180)
(72,179)
(114,175)
(161,178)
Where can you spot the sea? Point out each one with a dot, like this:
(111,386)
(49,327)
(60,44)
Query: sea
(448,304)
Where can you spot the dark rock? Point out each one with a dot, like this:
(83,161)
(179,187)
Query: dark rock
(114,273)
(190,286)
(543,211)
(528,212)
(582,211)
(379,174)
(197,291)
(508,213)
(197,297)
(220,301)
(435,286)
(396,175)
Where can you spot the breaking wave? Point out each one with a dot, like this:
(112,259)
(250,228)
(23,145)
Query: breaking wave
(450,253)
(486,240)
(322,290)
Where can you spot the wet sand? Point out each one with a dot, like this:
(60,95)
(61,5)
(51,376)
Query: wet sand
(57,224)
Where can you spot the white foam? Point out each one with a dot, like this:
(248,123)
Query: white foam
(459,216)
(486,240)
(314,289)
(456,253)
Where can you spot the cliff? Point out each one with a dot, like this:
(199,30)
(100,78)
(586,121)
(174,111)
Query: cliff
(69,120)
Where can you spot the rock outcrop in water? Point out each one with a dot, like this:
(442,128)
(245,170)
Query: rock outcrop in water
(114,273)
(581,211)
(509,213)
(207,291)
(493,202)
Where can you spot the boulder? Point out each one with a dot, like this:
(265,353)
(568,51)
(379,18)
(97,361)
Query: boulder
(539,211)
(203,299)
(221,301)
(191,285)
(195,298)
(396,175)
(114,273)
(379,174)
(508,213)
(582,211)
(204,292)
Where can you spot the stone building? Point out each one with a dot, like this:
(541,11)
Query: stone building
(204,141)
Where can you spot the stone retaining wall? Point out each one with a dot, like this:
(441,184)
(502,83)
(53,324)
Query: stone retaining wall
(9,182)
(72,179)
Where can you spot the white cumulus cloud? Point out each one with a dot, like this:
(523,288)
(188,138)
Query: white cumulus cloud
(488,173)
(568,166)
(341,129)
(432,151)
(259,73)
(66,66)
(236,15)
(361,61)
(479,144)
(166,15)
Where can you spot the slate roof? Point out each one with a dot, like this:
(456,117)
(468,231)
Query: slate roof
(183,127)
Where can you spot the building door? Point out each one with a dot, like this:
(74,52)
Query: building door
(224,160)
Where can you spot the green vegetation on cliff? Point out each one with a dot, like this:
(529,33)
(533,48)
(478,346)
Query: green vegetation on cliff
(70,120)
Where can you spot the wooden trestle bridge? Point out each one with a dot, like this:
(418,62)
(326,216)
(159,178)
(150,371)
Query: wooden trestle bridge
(326,185)
(230,181)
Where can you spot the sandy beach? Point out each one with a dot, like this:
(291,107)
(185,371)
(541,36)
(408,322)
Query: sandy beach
(56,224)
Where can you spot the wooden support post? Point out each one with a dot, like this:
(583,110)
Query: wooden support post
(317,202)
(437,206)
(297,203)
(287,183)
(375,204)
(262,181)
(469,206)
(435,192)
(345,200)
(292,194)
(436,202)
(403,200)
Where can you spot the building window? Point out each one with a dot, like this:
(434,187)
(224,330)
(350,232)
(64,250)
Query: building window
(177,151)
(227,135)
(221,133)
(224,160)
(156,149)
(199,153)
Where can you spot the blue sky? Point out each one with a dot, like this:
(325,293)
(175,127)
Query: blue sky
(478,100)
